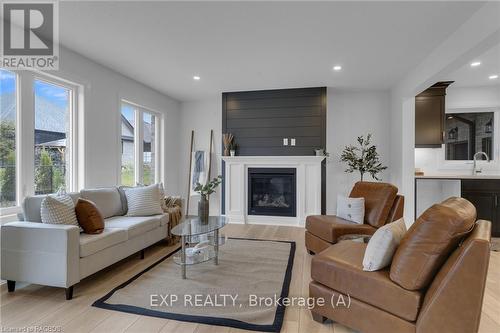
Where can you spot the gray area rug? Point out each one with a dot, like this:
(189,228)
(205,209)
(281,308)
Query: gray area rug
(495,244)
(240,292)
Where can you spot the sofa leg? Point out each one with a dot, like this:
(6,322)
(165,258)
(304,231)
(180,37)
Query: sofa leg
(142,253)
(318,318)
(310,252)
(69,293)
(11,286)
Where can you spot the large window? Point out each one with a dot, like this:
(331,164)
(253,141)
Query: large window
(469,133)
(8,112)
(139,144)
(52,137)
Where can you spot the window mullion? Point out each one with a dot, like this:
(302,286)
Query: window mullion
(139,147)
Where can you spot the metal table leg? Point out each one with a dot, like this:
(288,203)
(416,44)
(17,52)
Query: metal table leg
(183,256)
(216,246)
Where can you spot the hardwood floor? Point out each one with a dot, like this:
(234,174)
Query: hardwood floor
(34,305)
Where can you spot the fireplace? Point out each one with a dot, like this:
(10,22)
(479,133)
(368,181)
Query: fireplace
(272,191)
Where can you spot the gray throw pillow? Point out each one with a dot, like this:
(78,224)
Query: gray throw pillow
(383,244)
(143,201)
(58,209)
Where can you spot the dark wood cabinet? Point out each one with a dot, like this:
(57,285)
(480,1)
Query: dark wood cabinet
(485,196)
(430,116)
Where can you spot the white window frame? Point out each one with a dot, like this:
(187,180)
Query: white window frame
(25,136)
(139,111)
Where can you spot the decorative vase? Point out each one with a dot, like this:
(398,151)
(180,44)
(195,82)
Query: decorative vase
(319,152)
(203,209)
(232,152)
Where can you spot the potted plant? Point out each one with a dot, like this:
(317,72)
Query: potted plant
(232,148)
(205,191)
(363,158)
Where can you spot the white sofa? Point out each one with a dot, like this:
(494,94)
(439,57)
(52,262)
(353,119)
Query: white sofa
(60,256)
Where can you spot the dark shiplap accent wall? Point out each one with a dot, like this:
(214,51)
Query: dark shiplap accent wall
(259,120)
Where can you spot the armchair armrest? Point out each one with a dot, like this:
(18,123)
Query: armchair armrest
(46,254)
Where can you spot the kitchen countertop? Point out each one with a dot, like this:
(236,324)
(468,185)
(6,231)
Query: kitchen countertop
(458,177)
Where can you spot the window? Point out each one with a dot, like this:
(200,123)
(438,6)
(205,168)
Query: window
(469,133)
(139,144)
(128,145)
(53,104)
(8,124)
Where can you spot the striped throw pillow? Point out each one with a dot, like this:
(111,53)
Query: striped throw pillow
(143,201)
(58,209)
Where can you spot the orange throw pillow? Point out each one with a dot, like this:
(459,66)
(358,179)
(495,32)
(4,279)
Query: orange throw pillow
(89,217)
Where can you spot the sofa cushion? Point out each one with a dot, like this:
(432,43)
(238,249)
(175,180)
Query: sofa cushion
(379,199)
(58,209)
(134,225)
(106,199)
(340,267)
(32,205)
(331,227)
(89,217)
(144,200)
(91,244)
(430,240)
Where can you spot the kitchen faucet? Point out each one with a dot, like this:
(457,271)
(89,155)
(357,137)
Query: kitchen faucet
(475,171)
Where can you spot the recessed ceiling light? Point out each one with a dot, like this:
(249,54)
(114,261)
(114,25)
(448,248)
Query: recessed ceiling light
(337,68)
(492,77)
(196,77)
(475,64)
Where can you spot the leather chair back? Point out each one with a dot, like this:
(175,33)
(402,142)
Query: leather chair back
(397,209)
(454,299)
(379,199)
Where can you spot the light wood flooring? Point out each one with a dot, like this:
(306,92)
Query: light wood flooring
(34,305)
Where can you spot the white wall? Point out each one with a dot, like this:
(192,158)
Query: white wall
(348,116)
(200,116)
(103,90)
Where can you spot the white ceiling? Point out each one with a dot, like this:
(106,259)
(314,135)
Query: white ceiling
(260,45)
(467,76)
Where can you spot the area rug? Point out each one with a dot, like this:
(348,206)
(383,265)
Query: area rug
(495,244)
(243,291)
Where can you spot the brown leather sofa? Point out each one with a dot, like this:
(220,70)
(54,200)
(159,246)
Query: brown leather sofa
(435,282)
(382,205)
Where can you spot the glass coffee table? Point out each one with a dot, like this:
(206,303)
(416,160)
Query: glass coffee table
(200,241)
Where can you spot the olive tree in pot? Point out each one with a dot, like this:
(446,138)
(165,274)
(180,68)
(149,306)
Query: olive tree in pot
(363,158)
(205,191)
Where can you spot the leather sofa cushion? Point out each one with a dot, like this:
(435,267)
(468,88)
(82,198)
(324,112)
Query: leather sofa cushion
(331,227)
(91,244)
(134,225)
(379,199)
(429,241)
(89,217)
(107,199)
(340,267)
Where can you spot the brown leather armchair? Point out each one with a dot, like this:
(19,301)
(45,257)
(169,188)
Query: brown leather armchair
(382,205)
(435,283)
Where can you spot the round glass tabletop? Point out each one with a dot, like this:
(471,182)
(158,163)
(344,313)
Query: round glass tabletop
(192,225)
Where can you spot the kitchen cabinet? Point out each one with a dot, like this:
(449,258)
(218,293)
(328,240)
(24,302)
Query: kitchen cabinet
(430,116)
(485,196)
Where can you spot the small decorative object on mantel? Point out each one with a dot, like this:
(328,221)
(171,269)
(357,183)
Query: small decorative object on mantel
(321,152)
(205,191)
(419,172)
(227,140)
(363,158)
(232,148)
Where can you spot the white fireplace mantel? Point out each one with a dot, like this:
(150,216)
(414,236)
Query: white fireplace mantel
(308,182)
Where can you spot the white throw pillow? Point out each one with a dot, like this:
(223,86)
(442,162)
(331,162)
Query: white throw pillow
(58,209)
(351,209)
(143,201)
(383,245)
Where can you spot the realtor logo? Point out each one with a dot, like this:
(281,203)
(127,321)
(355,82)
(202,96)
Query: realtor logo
(30,35)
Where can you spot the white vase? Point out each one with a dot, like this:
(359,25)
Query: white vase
(232,152)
